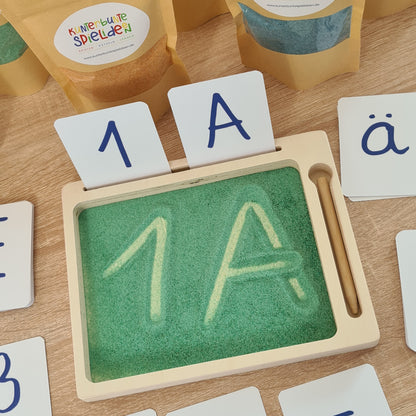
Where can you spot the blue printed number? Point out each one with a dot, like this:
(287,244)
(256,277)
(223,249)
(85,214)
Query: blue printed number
(4,379)
(112,131)
(217,99)
(2,244)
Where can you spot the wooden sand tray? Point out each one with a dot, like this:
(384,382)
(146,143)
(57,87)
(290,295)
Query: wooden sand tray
(166,273)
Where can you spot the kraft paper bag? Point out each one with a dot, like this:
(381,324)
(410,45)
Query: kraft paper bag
(104,54)
(380,8)
(300,43)
(190,14)
(21,73)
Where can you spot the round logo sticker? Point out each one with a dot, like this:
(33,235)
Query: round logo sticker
(102,33)
(294,8)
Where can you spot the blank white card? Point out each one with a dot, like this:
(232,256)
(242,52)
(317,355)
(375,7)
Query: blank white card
(406,249)
(245,402)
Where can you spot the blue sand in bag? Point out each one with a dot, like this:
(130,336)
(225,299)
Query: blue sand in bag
(298,37)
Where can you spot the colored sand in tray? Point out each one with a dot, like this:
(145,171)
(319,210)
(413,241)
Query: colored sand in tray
(203,273)
(12,45)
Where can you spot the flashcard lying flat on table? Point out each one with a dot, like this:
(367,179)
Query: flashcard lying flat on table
(113,145)
(406,248)
(16,255)
(354,392)
(24,386)
(245,402)
(223,119)
(377,146)
(148,412)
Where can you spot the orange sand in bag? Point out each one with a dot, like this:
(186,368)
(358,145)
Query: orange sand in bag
(125,80)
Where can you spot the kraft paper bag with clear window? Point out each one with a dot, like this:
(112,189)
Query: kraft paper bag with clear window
(300,43)
(104,54)
(21,73)
(380,8)
(190,14)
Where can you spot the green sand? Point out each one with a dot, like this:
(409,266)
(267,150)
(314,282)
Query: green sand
(277,296)
(12,45)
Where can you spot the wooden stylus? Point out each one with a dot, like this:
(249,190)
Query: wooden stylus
(337,244)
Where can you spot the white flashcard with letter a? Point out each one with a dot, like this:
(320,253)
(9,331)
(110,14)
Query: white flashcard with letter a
(223,119)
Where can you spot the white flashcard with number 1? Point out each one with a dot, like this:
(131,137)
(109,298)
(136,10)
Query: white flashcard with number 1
(113,145)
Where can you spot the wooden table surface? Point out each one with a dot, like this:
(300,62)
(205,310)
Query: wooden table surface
(34,166)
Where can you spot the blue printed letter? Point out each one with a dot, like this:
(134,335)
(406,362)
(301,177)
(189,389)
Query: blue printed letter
(390,145)
(217,99)
(4,379)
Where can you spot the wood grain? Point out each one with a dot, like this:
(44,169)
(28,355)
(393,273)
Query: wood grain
(34,166)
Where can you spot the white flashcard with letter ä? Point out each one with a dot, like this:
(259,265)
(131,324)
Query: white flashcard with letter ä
(24,382)
(16,255)
(353,392)
(245,402)
(113,145)
(223,119)
(406,249)
(377,146)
